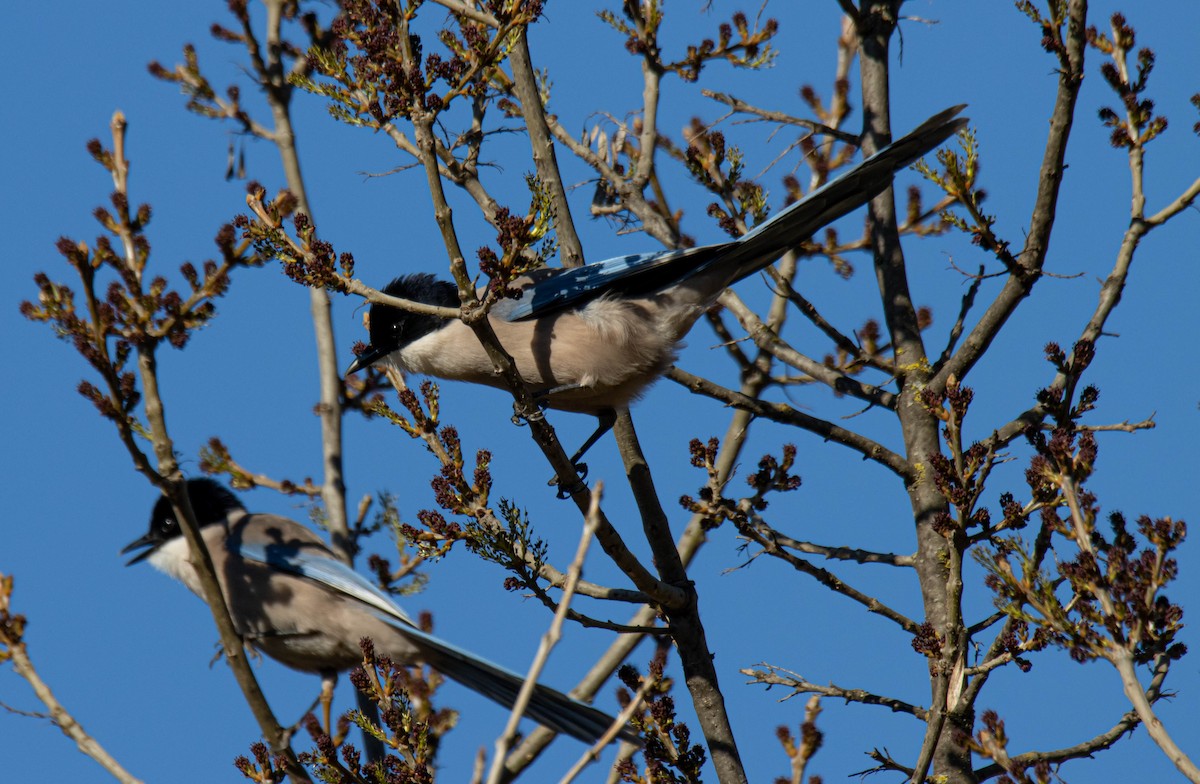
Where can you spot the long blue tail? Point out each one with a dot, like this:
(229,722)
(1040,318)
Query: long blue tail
(547,707)
(772,238)
(726,263)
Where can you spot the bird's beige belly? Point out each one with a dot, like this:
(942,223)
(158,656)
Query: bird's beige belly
(605,355)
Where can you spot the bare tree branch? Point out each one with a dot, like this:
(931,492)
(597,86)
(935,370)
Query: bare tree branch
(763,536)
(779,412)
(1045,207)
(549,639)
(526,88)
(738,105)
(773,676)
(12,648)
(777,347)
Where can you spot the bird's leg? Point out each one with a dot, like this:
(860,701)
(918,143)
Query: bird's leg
(606,419)
(604,423)
(328,679)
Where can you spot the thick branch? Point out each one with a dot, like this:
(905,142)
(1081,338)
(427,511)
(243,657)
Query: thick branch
(684,622)
(469,11)
(689,542)
(526,89)
(333,490)
(169,479)
(543,434)
(938,561)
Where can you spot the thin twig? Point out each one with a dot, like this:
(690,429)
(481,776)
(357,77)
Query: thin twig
(1121,427)
(781,350)
(537,741)
(1089,747)
(810,312)
(837,553)
(549,639)
(799,685)
(738,105)
(1041,223)
(593,753)
(763,536)
(779,412)
(956,331)
(13,648)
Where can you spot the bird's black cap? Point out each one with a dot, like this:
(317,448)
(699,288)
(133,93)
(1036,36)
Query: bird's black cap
(392,328)
(210,501)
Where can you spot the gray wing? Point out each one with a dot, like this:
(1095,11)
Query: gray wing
(547,706)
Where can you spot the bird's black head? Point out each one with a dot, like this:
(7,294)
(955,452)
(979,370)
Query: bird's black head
(392,328)
(210,501)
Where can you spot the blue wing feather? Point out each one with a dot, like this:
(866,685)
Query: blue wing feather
(330,572)
(578,285)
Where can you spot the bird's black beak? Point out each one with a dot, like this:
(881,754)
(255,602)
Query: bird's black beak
(150,541)
(364,360)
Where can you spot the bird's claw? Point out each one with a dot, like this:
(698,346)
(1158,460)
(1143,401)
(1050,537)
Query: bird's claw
(520,418)
(567,492)
(581,472)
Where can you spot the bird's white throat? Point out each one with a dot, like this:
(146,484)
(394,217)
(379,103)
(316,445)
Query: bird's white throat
(172,558)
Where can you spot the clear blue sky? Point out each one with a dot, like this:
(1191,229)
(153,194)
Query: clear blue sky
(128,651)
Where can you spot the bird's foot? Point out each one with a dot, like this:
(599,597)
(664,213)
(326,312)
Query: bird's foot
(568,490)
(252,653)
(520,418)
